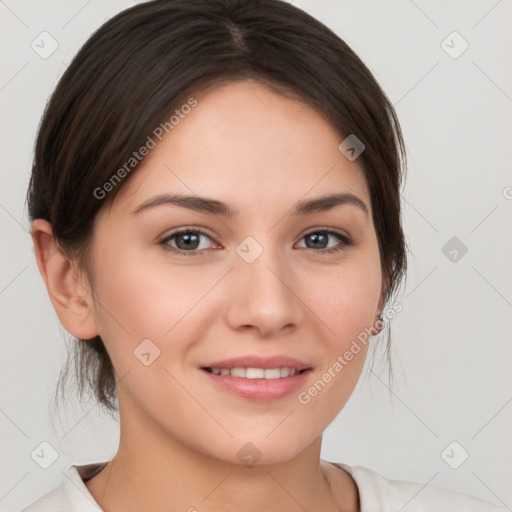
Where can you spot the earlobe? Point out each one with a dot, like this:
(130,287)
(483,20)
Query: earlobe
(71,299)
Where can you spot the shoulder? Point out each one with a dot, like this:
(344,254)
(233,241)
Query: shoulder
(53,501)
(377,492)
(71,495)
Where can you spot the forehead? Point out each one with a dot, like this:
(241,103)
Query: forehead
(242,143)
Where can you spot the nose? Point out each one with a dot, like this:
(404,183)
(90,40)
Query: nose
(262,297)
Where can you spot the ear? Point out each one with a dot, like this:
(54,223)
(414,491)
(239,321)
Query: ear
(69,292)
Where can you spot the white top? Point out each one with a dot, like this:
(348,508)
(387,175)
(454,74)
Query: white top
(377,494)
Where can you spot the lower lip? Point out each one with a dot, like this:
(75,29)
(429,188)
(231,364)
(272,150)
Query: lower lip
(260,389)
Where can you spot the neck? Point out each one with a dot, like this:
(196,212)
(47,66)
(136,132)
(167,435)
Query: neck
(154,471)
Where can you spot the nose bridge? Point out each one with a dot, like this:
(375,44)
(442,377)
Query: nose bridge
(267,273)
(263,296)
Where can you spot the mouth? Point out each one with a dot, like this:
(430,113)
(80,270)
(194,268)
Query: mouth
(257,378)
(256,373)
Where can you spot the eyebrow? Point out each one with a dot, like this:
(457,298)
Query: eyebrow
(213,206)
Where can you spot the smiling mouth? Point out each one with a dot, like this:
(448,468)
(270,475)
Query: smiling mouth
(256,373)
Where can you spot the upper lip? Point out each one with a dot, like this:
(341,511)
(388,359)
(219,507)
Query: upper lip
(281,361)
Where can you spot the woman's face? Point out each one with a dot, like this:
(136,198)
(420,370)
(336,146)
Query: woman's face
(255,284)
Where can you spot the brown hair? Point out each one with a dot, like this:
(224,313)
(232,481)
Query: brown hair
(136,69)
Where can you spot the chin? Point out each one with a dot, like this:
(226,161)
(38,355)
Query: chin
(256,450)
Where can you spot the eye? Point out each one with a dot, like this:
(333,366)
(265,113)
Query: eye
(188,242)
(321,236)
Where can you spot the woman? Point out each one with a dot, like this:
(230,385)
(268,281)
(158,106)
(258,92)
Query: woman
(215,207)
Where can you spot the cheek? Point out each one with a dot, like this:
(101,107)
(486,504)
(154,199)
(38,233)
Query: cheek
(143,301)
(147,300)
(345,297)
(346,303)
(143,298)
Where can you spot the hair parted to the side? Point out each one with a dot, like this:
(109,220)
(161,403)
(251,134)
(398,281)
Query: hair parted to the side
(142,64)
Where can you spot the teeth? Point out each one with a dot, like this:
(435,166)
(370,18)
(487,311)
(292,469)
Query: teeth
(284,372)
(256,373)
(237,372)
(272,373)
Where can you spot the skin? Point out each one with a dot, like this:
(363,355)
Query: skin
(260,152)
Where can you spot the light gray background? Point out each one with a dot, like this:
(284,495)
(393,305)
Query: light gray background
(451,343)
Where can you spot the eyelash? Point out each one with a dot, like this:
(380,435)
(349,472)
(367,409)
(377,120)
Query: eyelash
(345,241)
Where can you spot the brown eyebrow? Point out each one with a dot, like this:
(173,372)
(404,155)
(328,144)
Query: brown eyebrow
(207,205)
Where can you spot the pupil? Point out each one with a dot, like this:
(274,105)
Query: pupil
(316,238)
(189,241)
